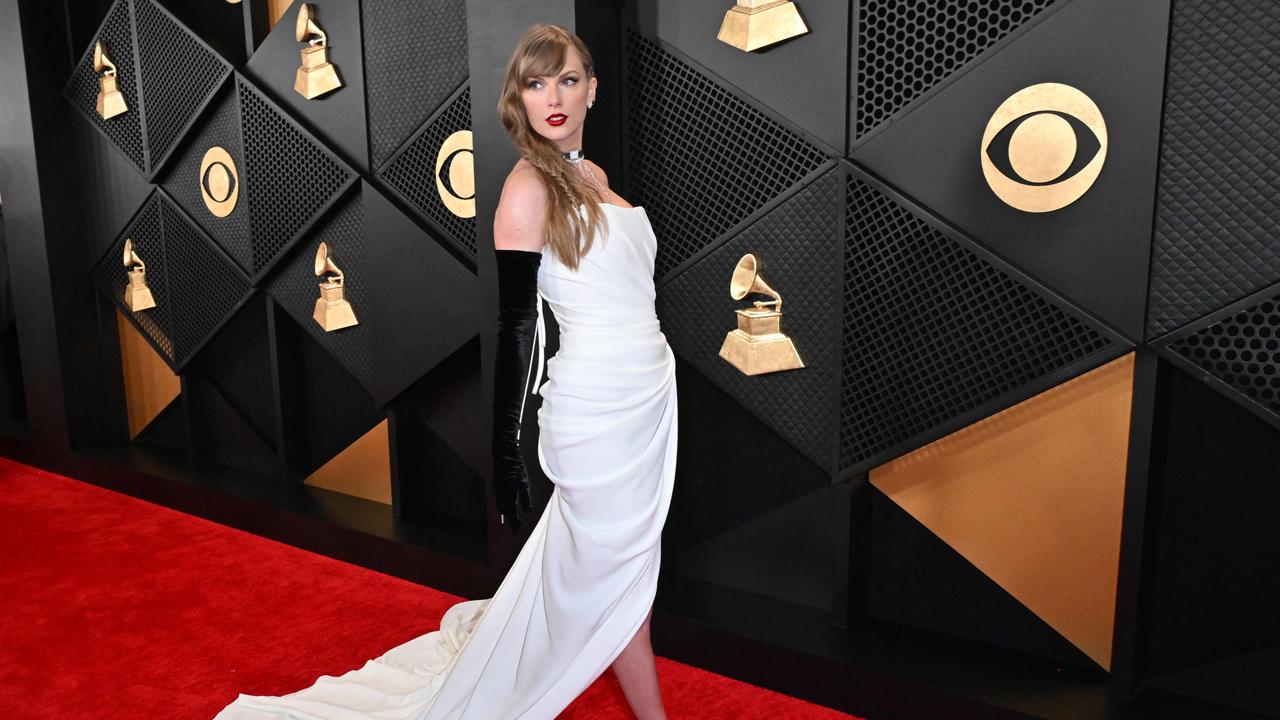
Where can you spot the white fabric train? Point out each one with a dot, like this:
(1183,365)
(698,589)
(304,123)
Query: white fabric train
(586,577)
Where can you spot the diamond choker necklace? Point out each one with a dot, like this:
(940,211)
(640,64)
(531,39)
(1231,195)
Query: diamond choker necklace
(573,156)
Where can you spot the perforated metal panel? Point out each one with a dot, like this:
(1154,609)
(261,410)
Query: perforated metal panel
(205,286)
(146,230)
(195,286)
(218,127)
(411,173)
(799,245)
(700,159)
(1243,351)
(179,73)
(1217,236)
(415,56)
(290,176)
(124,131)
(906,47)
(295,286)
(935,333)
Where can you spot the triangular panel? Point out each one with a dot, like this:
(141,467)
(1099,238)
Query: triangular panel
(1094,250)
(799,245)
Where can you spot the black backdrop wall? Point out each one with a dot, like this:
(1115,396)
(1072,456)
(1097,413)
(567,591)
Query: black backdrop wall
(832,535)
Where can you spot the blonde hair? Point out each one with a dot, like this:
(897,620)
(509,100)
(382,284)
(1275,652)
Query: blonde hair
(543,50)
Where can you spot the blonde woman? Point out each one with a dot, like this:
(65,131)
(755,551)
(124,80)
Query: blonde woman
(579,597)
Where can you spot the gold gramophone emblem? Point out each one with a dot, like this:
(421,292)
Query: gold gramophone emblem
(137,296)
(332,310)
(753,24)
(110,100)
(316,76)
(757,345)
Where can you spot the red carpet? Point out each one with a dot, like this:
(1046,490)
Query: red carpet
(113,607)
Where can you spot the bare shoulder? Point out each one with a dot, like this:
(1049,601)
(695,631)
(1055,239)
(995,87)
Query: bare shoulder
(600,173)
(522,210)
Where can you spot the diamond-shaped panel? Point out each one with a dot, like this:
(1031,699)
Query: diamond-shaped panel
(295,286)
(196,287)
(124,130)
(1217,236)
(412,172)
(415,56)
(799,247)
(700,159)
(219,127)
(291,177)
(935,333)
(179,73)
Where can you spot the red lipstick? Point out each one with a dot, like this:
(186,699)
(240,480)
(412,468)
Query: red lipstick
(557,119)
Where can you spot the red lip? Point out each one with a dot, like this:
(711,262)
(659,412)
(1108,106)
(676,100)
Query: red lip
(557,119)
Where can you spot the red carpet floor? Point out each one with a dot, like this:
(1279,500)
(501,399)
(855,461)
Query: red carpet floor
(112,607)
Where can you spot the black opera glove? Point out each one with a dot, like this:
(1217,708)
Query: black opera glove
(517,325)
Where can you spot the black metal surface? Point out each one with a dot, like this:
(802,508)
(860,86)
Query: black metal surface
(799,244)
(291,178)
(415,57)
(411,172)
(700,160)
(938,336)
(1096,250)
(177,255)
(125,130)
(296,288)
(1218,208)
(904,48)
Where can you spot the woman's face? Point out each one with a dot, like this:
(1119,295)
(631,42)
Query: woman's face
(557,104)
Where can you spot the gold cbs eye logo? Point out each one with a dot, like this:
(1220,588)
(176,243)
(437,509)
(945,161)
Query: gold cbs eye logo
(456,174)
(219,181)
(1043,147)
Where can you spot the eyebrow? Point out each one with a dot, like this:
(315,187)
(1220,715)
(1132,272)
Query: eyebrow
(566,72)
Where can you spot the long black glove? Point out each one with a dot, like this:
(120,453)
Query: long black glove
(517,323)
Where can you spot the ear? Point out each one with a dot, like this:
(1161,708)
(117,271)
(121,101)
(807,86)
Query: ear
(591,96)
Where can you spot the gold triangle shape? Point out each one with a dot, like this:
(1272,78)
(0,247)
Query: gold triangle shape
(1033,497)
(363,468)
(149,384)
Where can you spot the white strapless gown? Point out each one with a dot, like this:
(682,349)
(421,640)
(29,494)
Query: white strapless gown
(587,575)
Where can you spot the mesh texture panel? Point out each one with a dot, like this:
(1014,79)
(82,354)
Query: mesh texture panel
(296,287)
(148,242)
(1242,351)
(1217,226)
(178,74)
(206,286)
(412,173)
(415,56)
(906,47)
(290,176)
(124,131)
(933,331)
(700,159)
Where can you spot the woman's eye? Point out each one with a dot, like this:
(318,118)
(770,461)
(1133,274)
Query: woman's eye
(572,80)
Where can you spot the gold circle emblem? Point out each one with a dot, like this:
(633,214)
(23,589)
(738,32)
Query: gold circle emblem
(456,174)
(1043,147)
(219,181)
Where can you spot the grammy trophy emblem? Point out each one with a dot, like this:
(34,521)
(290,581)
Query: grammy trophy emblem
(757,345)
(110,101)
(316,76)
(753,24)
(332,311)
(137,296)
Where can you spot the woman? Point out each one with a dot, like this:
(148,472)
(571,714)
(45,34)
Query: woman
(579,597)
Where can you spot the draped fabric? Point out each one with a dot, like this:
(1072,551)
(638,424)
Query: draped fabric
(586,577)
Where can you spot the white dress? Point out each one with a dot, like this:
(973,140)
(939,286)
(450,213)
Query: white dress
(586,577)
